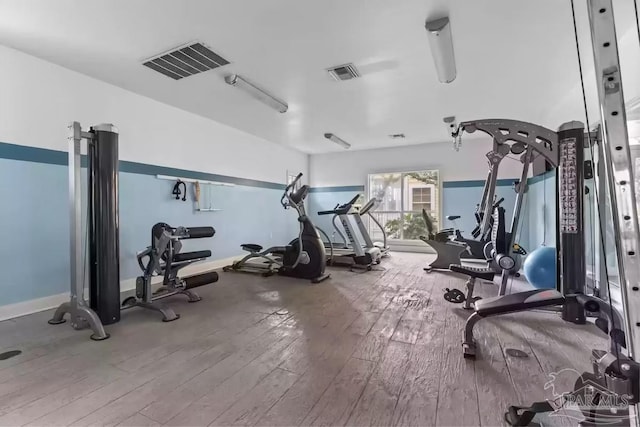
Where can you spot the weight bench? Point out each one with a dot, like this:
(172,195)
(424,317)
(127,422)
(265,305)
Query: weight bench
(474,273)
(164,258)
(511,303)
(608,320)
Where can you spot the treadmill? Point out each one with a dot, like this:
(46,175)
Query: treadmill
(369,207)
(352,252)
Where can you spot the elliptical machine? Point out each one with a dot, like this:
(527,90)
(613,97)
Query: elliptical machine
(304,257)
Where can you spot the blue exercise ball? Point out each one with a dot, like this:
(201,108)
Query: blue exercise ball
(540,267)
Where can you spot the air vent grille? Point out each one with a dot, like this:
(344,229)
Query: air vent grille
(185,61)
(344,72)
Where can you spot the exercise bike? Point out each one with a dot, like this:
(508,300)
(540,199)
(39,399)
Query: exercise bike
(304,257)
(480,246)
(447,251)
(505,261)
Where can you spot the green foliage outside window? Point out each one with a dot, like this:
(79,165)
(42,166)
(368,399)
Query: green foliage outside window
(409,227)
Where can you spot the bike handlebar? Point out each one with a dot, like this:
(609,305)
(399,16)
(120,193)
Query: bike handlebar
(294,182)
(285,196)
(498,203)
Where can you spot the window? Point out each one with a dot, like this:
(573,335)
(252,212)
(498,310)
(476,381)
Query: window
(402,196)
(421,199)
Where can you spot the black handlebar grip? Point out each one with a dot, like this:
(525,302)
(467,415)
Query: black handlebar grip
(295,180)
(352,201)
(200,232)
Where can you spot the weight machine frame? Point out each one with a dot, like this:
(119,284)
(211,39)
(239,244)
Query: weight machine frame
(102,141)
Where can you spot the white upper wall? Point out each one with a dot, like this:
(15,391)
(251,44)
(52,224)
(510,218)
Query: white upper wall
(352,167)
(39,99)
(514,59)
(569,104)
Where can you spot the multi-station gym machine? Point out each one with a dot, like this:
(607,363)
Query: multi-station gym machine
(611,393)
(560,151)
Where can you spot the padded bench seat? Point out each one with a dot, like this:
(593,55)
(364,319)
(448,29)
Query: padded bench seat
(518,302)
(477,272)
(188,256)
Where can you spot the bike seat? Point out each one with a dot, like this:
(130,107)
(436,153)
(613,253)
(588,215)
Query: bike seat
(453,217)
(251,247)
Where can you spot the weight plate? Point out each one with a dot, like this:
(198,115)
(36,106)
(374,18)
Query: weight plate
(454,295)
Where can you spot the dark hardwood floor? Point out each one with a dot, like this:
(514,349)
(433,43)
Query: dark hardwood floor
(374,348)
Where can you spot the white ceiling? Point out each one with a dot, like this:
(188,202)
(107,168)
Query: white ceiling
(513,58)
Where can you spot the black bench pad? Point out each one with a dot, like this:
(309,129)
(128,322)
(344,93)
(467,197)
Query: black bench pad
(251,247)
(453,217)
(518,302)
(478,273)
(188,256)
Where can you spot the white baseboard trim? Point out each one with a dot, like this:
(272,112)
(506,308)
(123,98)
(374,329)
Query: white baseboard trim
(23,308)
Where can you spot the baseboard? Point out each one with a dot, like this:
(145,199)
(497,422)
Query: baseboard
(423,249)
(23,308)
(201,267)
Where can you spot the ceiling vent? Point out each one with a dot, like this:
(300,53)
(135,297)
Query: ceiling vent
(344,72)
(185,61)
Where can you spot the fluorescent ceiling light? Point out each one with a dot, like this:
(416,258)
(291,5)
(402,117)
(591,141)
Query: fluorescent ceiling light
(257,93)
(439,33)
(339,141)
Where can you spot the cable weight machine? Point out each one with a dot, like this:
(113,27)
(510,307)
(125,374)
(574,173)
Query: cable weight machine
(103,244)
(611,393)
